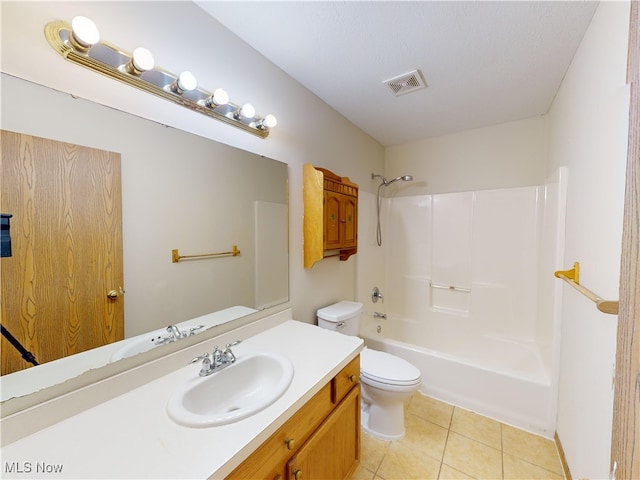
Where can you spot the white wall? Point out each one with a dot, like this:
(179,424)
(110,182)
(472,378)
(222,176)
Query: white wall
(182,37)
(588,132)
(500,156)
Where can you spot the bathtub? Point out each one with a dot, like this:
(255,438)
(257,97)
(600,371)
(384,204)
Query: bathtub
(502,378)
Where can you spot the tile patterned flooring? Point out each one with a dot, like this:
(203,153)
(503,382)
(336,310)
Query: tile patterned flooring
(447,442)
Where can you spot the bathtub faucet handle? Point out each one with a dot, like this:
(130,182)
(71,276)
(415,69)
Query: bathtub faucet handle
(376,295)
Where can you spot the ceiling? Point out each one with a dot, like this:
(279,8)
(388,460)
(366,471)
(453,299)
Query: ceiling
(484,63)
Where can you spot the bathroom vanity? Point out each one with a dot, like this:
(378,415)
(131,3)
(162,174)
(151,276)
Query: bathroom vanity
(321,440)
(312,430)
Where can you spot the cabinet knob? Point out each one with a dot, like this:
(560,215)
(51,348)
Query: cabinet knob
(290,443)
(297,474)
(352,378)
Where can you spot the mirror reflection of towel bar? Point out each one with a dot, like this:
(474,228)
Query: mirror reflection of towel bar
(176,257)
(450,287)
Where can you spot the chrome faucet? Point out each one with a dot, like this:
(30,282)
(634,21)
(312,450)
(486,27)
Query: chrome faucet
(380,315)
(218,360)
(175,332)
(376,295)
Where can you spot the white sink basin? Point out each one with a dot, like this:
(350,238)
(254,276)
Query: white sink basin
(140,344)
(240,390)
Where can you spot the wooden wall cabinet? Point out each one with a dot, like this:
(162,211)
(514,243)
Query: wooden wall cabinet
(320,441)
(330,215)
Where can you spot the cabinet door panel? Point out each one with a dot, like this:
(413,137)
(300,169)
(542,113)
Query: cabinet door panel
(349,221)
(331,220)
(333,451)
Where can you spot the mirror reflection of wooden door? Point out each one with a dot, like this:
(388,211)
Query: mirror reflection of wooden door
(66,233)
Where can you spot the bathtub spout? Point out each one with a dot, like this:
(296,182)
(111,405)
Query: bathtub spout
(380,315)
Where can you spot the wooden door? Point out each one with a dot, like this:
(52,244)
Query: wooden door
(625,444)
(66,233)
(333,451)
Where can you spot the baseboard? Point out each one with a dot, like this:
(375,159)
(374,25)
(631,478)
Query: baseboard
(563,459)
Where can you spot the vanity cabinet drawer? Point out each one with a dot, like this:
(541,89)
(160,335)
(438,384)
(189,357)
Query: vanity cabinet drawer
(268,461)
(344,381)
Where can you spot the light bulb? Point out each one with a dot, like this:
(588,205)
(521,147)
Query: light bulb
(84,33)
(269,121)
(219,97)
(141,61)
(185,83)
(247,111)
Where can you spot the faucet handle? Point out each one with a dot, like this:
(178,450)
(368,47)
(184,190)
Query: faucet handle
(376,295)
(203,357)
(228,353)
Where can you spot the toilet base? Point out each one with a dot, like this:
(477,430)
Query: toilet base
(383,422)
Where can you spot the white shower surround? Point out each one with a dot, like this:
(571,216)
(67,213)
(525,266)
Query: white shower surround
(492,349)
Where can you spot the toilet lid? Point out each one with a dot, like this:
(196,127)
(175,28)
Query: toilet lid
(386,368)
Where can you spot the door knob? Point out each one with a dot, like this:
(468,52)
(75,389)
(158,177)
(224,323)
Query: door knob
(114,294)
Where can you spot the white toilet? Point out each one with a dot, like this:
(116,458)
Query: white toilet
(386,380)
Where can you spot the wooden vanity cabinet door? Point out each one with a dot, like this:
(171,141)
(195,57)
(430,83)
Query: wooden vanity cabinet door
(270,459)
(333,451)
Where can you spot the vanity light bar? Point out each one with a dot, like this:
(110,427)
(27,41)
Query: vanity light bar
(138,69)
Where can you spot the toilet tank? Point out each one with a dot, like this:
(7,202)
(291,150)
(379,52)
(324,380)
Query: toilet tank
(343,317)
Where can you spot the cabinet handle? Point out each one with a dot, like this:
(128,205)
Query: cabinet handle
(352,378)
(290,443)
(297,474)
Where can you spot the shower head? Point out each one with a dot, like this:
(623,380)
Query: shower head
(385,182)
(404,178)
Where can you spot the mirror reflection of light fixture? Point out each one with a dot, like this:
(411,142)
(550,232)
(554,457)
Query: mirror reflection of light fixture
(141,61)
(84,33)
(80,43)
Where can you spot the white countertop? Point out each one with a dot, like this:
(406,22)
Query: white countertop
(131,436)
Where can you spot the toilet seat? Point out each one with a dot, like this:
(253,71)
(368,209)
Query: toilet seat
(383,368)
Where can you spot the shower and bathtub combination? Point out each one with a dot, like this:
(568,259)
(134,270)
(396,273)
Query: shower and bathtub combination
(470,298)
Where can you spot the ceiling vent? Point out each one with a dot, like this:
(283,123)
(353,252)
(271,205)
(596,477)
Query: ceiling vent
(409,82)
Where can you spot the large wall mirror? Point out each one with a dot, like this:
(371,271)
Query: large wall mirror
(179,191)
